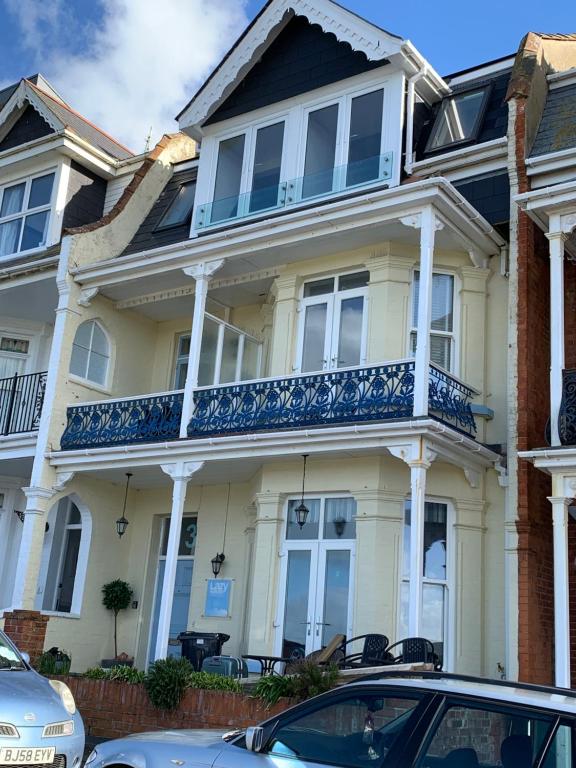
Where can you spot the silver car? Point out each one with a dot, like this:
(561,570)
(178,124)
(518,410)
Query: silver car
(415,720)
(39,723)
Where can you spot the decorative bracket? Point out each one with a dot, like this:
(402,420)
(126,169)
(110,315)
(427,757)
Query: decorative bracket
(414,220)
(205,269)
(473,477)
(62,479)
(182,470)
(86,296)
(502,473)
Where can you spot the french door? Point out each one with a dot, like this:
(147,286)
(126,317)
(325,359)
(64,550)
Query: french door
(316,581)
(333,323)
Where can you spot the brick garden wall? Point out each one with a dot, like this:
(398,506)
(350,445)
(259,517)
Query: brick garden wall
(112,709)
(27,630)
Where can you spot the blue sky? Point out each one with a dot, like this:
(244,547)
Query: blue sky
(131,64)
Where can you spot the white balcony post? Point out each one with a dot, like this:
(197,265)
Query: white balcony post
(201,274)
(422,358)
(561,597)
(418,470)
(180,472)
(557,239)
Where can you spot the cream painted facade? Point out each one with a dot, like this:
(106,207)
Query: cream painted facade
(239,483)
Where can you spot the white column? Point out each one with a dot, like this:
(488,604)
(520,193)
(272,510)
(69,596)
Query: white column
(30,552)
(181,472)
(561,603)
(418,470)
(201,274)
(557,240)
(422,359)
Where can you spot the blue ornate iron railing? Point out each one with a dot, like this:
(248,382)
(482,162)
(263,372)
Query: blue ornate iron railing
(449,400)
(307,189)
(355,395)
(567,411)
(118,422)
(351,396)
(21,399)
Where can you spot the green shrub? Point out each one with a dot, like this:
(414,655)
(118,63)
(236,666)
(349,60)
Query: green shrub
(126,675)
(308,679)
(96,673)
(116,597)
(166,681)
(211,682)
(54,662)
(274,687)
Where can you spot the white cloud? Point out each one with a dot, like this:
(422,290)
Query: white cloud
(138,64)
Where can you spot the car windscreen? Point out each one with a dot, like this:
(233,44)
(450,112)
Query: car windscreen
(9,658)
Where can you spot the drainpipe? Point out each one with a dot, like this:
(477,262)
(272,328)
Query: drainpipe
(410,119)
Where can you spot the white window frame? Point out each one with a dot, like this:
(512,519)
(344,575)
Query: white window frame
(24,212)
(250,133)
(332,332)
(222,327)
(454,334)
(448,583)
(102,386)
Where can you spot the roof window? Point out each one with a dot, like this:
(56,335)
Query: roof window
(180,209)
(459,119)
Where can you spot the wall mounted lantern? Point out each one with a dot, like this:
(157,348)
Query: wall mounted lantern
(122,523)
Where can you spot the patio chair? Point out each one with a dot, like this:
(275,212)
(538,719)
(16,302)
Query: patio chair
(373,654)
(414,650)
(331,653)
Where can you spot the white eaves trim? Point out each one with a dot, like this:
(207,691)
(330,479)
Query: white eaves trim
(477,74)
(562,79)
(557,198)
(346,26)
(551,161)
(19,446)
(451,445)
(552,460)
(376,206)
(470,159)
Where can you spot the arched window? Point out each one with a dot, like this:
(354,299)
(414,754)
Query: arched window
(90,353)
(65,557)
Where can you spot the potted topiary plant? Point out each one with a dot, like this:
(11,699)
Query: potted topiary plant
(116,597)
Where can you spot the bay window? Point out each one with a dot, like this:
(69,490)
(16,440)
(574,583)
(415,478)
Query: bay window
(25,213)
(442,342)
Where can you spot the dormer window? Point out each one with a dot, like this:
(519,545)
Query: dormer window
(25,213)
(180,209)
(459,119)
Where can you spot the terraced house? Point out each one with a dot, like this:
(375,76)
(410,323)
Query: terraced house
(281,358)
(57,171)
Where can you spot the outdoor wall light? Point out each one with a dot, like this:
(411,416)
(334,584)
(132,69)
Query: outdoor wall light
(122,523)
(217,563)
(302,510)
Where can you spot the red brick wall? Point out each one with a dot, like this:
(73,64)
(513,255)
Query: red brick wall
(535,557)
(112,709)
(27,630)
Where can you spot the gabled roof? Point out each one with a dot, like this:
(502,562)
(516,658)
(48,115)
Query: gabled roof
(59,115)
(377,45)
(557,129)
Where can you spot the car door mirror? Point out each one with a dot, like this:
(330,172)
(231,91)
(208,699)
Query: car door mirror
(254,738)
(25,657)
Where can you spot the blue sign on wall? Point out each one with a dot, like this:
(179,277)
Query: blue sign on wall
(218,597)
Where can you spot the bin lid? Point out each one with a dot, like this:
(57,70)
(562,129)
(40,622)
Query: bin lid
(220,636)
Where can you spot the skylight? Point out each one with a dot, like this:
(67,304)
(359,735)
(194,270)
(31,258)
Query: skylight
(180,209)
(459,119)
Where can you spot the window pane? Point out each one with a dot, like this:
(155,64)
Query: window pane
(318,287)
(41,191)
(457,119)
(311,528)
(9,235)
(296,608)
(79,361)
(442,302)
(180,375)
(208,350)
(228,176)
(34,230)
(320,151)
(267,163)
(99,341)
(74,517)
(440,348)
(433,607)
(353,732)
(229,356)
(350,331)
(250,360)
(314,337)
(184,345)
(469,735)
(340,518)
(188,532)
(356,280)
(435,533)
(70,561)
(180,209)
(97,368)
(336,588)
(365,138)
(83,335)
(12,200)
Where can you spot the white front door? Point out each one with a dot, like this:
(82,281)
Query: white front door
(332,332)
(317,577)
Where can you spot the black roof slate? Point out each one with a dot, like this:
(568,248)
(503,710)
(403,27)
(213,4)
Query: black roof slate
(147,236)
(557,129)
